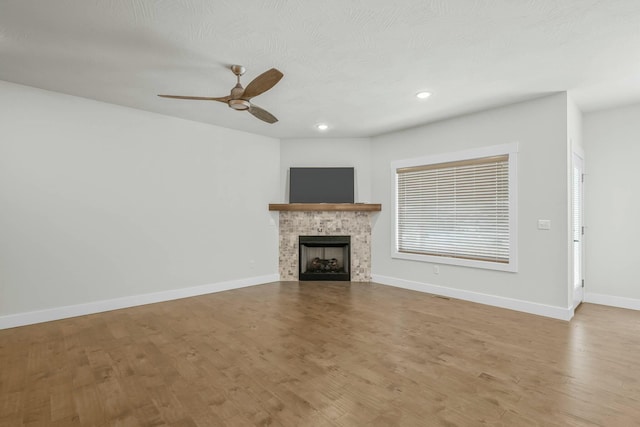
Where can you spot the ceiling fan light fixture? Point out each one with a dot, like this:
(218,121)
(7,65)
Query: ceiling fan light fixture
(239,98)
(322,126)
(239,104)
(423,95)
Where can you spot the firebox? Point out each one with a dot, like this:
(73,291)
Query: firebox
(324,258)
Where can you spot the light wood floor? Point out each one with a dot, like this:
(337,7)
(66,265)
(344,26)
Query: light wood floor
(323,354)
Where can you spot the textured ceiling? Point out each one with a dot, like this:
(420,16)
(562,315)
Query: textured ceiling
(355,64)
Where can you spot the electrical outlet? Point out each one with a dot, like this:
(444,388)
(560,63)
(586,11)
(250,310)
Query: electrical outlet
(544,224)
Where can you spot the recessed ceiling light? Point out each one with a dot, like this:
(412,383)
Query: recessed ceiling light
(322,126)
(423,95)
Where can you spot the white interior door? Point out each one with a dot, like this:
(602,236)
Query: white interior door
(578,229)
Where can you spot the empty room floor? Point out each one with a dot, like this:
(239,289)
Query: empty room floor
(323,354)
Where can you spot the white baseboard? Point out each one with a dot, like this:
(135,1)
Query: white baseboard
(561,313)
(57,313)
(613,301)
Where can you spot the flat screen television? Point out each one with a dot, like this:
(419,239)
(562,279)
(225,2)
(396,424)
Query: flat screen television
(321,185)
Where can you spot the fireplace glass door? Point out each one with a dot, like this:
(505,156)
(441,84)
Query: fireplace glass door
(324,258)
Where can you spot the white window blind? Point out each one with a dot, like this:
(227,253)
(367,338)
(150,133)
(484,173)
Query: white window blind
(457,209)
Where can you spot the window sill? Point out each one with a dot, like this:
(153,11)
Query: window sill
(487,265)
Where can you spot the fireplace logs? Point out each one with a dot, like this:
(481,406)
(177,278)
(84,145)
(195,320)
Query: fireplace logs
(324,265)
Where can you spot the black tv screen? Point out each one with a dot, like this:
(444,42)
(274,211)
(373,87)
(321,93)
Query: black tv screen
(321,185)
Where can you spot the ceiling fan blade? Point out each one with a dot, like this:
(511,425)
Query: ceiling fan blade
(261,114)
(262,83)
(197,98)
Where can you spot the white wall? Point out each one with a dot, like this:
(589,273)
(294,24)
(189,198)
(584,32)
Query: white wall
(612,206)
(100,201)
(326,152)
(574,126)
(540,128)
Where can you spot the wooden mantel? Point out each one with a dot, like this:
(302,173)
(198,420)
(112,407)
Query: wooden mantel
(351,207)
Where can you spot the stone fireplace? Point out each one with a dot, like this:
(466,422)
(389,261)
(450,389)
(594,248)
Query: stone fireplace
(337,220)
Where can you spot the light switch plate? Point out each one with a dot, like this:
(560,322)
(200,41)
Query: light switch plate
(544,224)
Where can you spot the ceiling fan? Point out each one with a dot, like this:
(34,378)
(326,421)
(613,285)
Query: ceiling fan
(240,97)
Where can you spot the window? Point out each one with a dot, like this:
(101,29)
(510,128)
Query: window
(458,208)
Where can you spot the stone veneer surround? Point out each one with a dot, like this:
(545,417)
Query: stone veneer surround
(326,223)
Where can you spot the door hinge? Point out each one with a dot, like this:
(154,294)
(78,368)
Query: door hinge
(583,283)
(582,230)
(582,177)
